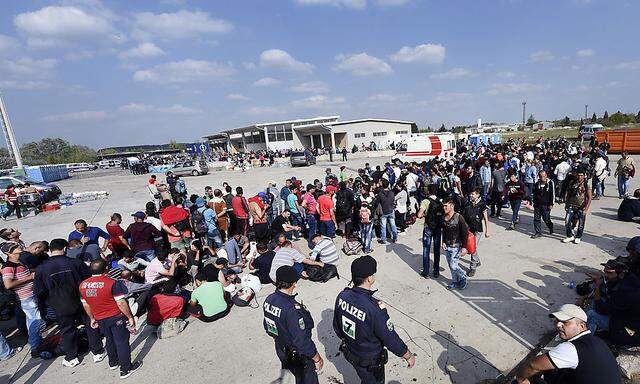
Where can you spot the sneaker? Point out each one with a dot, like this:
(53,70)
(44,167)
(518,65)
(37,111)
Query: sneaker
(536,235)
(382,242)
(577,240)
(436,274)
(134,367)
(511,227)
(99,357)
(425,275)
(13,352)
(463,284)
(551,231)
(452,285)
(70,363)
(112,367)
(568,239)
(472,272)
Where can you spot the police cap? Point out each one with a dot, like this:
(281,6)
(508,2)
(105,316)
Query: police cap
(286,274)
(363,267)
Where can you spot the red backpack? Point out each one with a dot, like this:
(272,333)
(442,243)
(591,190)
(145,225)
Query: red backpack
(162,307)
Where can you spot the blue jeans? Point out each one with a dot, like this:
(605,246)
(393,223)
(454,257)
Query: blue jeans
(485,192)
(5,349)
(214,238)
(299,267)
(596,321)
(475,259)
(148,254)
(296,219)
(391,217)
(515,208)
(573,213)
(428,236)
(598,187)
(313,229)
(34,321)
(328,229)
(453,258)
(365,234)
(623,185)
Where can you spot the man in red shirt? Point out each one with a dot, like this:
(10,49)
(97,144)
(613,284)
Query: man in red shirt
(327,213)
(11,197)
(240,211)
(104,301)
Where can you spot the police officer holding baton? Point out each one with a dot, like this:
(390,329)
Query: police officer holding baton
(362,323)
(290,325)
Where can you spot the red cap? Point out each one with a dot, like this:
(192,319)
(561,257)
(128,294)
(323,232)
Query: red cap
(331,188)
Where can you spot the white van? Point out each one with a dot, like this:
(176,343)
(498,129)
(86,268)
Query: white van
(588,131)
(424,148)
(80,167)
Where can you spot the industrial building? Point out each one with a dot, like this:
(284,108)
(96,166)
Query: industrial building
(317,132)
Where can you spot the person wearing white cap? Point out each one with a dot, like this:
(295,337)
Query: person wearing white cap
(582,358)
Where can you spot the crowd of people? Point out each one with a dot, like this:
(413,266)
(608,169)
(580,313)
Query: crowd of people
(201,254)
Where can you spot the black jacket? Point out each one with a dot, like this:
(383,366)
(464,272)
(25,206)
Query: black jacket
(386,199)
(57,272)
(544,194)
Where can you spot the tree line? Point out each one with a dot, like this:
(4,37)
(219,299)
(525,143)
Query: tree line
(50,151)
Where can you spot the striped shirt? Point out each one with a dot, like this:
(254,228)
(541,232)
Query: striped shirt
(14,271)
(284,256)
(326,250)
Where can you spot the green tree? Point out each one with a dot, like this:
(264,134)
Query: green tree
(531,120)
(594,118)
(567,121)
(605,117)
(442,128)
(638,117)
(56,151)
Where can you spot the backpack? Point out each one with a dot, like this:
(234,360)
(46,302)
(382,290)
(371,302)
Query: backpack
(322,274)
(352,246)
(170,327)
(163,307)
(435,214)
(243,297)
(445,186)
(198,223)
(342,204)
(183,225)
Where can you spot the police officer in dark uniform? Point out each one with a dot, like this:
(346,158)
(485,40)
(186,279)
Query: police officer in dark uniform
(290,325)
(362,323)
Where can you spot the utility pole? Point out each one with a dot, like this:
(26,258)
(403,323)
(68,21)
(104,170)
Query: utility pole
(12,145)
(586,109)
(524,109)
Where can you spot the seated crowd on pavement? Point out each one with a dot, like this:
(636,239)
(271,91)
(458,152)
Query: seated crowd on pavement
(199,255)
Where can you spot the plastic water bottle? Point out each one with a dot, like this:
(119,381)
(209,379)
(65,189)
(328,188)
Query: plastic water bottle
(569,285)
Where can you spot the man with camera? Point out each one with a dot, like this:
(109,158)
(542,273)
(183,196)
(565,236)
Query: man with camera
(616,310)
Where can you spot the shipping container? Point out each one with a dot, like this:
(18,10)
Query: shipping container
(621,140)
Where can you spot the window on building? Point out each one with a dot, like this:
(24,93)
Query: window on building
(401,132)
(359,135)
(379,134)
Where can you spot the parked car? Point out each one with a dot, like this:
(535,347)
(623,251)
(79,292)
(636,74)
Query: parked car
(104,164)
(80,167)
(588,131)
(49,192)
(190,167)
(302,158)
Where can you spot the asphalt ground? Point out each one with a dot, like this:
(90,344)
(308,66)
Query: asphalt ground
(459,336)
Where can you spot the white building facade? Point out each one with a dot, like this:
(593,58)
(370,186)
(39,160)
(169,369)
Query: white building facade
(317,132)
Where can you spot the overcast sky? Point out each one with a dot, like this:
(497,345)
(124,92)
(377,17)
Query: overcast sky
(133,72)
